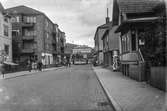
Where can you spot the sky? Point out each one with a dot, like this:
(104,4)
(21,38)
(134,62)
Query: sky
(77,18)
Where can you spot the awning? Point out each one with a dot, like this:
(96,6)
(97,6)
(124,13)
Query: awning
(126,24)
(10,63)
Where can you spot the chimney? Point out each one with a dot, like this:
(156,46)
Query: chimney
(107,18)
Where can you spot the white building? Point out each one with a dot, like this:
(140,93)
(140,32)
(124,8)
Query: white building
(5,37)
(81,50)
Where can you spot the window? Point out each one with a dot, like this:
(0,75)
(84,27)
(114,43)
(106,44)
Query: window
(6,30)
(6,19)
(47,46)
(133,42)
(15,33)
(47,24)
(6,48)
(47,35)
(15,19)
(35,45)
(30,19)
(29,32)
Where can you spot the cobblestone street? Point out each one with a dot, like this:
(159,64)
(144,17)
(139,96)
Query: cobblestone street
(66,89)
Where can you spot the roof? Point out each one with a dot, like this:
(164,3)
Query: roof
(23,10)
(104,27)
(82,47)
(125,24)
(1,7)
(106,32)
(138,6)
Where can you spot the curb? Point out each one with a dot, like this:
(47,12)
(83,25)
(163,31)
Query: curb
(30,73)
(113,102)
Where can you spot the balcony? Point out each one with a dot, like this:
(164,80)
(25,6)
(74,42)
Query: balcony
(28,38)
(28,51)
(131,58)
(24,24)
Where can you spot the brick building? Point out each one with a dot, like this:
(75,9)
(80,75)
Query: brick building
(34,35)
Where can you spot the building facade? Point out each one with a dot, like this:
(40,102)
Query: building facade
(34,36)
(142,39)
(81,53)
(5,36)
(110,45)
(99,44)
(61,40)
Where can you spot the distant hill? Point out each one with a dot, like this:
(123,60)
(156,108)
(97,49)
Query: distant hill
(69,47)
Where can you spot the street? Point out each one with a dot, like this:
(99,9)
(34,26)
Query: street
(65,89)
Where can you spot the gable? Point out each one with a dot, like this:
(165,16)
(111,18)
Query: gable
(138,6)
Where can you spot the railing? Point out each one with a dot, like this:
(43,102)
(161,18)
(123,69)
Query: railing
(28,50)
(141,55)
(28,37)
(25,24)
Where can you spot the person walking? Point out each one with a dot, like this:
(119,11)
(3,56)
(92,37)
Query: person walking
(39,65)
(68,62)
(29,66)
(35,66)
(3,69)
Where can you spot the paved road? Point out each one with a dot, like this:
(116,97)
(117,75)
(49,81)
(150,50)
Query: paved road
(68,89)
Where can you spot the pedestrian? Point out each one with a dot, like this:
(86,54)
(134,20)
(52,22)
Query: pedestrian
(35,66)
(29,66)
(68,62)
(3,69)
(40,66)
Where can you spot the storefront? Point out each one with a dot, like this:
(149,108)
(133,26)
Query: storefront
(47,59)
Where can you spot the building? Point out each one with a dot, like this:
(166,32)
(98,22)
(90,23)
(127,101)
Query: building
(69,49)
(5,36)
(61,41)
(81,53)
(99,44)
(110,45)
(142,28)
(55,44)
(35,36)
(81,49)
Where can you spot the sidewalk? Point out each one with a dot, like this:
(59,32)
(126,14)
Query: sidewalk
(129,95)
(25,73)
